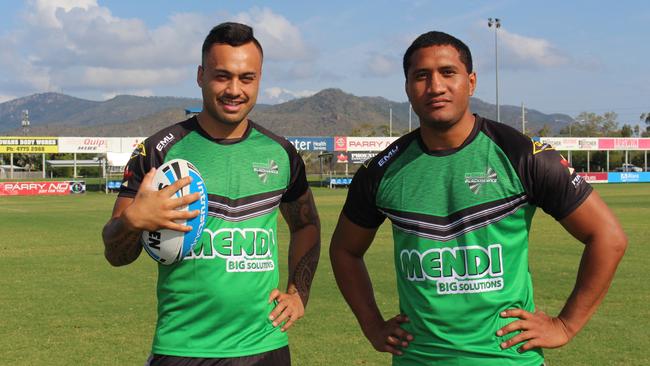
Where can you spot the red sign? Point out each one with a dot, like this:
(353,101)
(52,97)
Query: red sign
(594,177)
(41,188)
(340,143)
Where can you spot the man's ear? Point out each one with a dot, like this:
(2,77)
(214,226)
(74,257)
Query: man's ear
(199,76)
(472,83)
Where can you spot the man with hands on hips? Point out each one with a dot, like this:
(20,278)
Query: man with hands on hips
(460,192)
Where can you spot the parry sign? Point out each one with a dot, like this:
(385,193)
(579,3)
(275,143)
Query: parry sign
(41,188)
(28,145)
(369,143)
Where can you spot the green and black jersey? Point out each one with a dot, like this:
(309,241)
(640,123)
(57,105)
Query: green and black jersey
(214,303)
(460,221)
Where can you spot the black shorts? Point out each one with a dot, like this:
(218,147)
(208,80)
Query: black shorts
(277,357)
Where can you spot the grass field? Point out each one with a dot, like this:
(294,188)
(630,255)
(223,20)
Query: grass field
(61,303)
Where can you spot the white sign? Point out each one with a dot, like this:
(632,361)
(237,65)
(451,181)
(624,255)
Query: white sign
(369,143)
(88,144)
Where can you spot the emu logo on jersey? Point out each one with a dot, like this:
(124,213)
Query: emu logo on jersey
(384,159)
(476,180)
(263,170)
(459,270)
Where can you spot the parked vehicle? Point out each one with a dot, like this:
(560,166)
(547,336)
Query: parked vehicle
(628,168)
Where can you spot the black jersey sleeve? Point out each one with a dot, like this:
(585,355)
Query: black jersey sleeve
(139,164)
(298,181)
(550,182)
(151,154)
(555,186)
(360,205)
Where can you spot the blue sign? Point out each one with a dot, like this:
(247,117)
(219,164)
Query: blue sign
(312,143)
(628,177)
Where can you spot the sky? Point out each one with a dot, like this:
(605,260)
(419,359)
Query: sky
(554,56)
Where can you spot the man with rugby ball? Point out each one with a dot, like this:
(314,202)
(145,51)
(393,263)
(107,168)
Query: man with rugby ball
(220,305)
(460,193)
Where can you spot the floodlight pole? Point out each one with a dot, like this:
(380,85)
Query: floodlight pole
(390,121)
(497,24)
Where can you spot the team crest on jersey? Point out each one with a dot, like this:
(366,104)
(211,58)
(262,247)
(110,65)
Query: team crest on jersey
(538,147)
(263,170)
(476,181)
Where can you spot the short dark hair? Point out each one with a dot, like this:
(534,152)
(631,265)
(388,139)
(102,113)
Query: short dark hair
(435,38)
(230,33)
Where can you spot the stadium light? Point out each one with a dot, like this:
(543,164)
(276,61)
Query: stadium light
(25,122)
(496,22)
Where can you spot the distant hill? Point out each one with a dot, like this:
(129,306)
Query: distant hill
(61,109)
(327,113)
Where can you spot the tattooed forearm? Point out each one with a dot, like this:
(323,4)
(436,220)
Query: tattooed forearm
(304,245)
(301,212)
(121,245)
(304,273)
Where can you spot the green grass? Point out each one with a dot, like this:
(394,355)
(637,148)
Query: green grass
(63,304)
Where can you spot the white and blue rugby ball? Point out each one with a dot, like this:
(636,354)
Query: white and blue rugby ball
(169,246)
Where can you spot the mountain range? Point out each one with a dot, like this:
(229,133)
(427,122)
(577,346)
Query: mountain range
(330,112)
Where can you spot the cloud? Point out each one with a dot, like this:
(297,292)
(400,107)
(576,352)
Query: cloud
(528,50)
(381,66)
(275,95)
(79,45)
(280,39)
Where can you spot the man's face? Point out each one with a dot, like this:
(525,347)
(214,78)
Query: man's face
(438,86)
(229,79)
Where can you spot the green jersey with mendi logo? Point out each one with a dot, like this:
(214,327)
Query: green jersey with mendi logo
(460,221)
(214,303)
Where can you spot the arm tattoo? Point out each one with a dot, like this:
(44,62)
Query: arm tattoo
(121,246)
(303,275)
(300,213)
(302,218)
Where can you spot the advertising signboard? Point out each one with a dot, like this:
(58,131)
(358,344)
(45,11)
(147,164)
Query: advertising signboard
(28,145)
(42,188)
(312,143)
(361,157)
(369,143)
(594,177)
(89,144)
(629,177)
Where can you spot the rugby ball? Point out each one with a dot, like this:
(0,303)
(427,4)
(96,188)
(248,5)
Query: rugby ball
(169,246)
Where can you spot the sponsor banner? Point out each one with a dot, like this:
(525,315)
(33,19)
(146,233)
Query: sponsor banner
(340,143)
(29,145)
(360,157)
(42,188)
(594,177)
(594,143)
(588,143)
(89,144)
(560,143)
(312,143)
(629,177)
(624,144)
(369,143)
